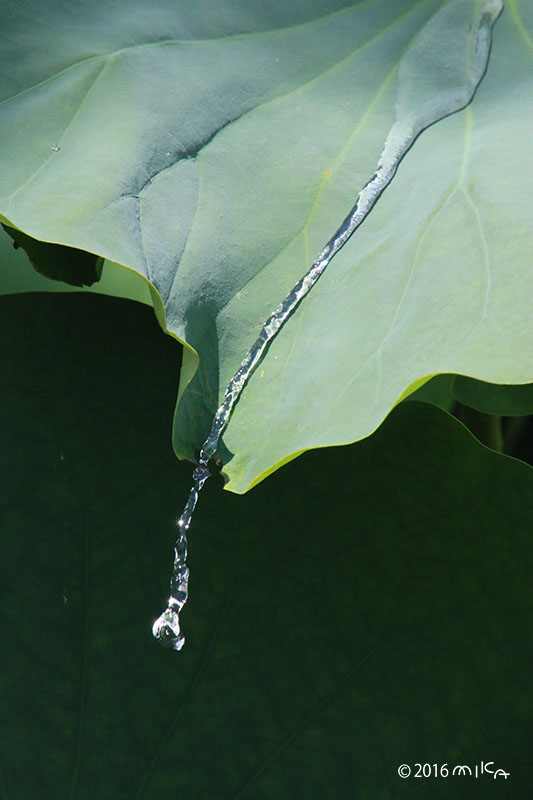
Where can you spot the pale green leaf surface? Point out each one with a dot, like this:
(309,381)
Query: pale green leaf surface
(217,163)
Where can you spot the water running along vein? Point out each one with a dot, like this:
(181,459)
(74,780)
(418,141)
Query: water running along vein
(438,75)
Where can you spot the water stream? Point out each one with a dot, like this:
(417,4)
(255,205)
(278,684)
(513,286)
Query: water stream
(438,76)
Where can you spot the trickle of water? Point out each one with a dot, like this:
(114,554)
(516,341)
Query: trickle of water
(438,76)
(56,148)
(166,628)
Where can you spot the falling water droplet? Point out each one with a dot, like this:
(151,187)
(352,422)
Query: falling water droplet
(56,148)
(166,628)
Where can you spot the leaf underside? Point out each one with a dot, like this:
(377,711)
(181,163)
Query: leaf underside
(67,264)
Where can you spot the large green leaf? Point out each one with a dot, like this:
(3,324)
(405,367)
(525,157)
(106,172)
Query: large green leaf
(214,147)
(344,618)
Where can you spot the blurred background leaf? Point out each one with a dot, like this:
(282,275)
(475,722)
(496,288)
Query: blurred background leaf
(365,607)
(493,398)
(437,391)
